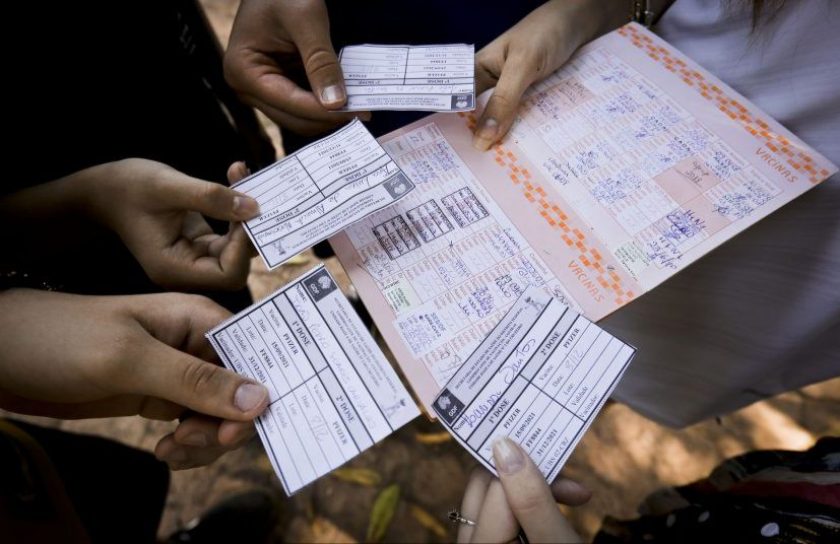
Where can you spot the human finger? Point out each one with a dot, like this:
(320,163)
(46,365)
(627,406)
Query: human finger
(473,500)
(496,522)
(528,495)
(518,72)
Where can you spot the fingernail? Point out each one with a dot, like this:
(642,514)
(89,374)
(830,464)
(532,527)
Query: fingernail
(486,134)
(198,440)
(508,456)
(332,94)
(244,206)
(249,396)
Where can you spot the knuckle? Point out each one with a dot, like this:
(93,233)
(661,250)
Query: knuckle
(237,62)
(536,61)
(209,192)
(200,377)
(321,62)
(501,101)
(207,307)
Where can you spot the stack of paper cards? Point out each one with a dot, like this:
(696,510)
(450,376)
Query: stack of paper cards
(319,190)
(409,77)
(332,392)
(539,378)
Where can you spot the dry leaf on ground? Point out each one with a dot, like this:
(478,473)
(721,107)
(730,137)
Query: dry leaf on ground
(382,513)
(323,530)
(428,521)
(361,476)
(433,438)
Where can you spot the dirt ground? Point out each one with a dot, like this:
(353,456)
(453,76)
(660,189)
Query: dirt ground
(622,458)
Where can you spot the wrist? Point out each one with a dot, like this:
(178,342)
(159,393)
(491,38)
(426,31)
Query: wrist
(63,198)
(93,192)
(585,20)
(77,192)
(610,14)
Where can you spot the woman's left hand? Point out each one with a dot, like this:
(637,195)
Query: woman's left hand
(520,498)
(158,212)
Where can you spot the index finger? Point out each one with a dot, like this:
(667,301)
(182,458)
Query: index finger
(235,257)
(472,502)
(236,172)
(496,522)
(178,191)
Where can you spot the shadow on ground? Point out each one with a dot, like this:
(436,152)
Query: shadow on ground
(622,458)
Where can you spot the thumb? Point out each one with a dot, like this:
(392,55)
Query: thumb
(528,495)
(208,198)
(312,38)
(517,74)
(570,492)
(206,388)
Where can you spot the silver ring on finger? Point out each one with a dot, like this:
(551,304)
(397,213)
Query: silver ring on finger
(456,517)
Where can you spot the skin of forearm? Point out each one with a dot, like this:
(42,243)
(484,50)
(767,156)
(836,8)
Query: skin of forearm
(48,219)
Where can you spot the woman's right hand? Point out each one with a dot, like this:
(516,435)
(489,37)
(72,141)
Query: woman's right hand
(520,498)
(280,60)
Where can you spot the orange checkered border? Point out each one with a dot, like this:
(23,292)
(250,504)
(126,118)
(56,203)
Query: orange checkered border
(557,219)
(777,143)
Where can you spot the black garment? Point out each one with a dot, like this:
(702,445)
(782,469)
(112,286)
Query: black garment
(246,518)
(117,492)
(94,82)
(767,496)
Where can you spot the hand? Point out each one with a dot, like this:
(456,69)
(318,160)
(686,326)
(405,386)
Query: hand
(530,51)
(73,356)
(157,212)
(275,47)
(519,498)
